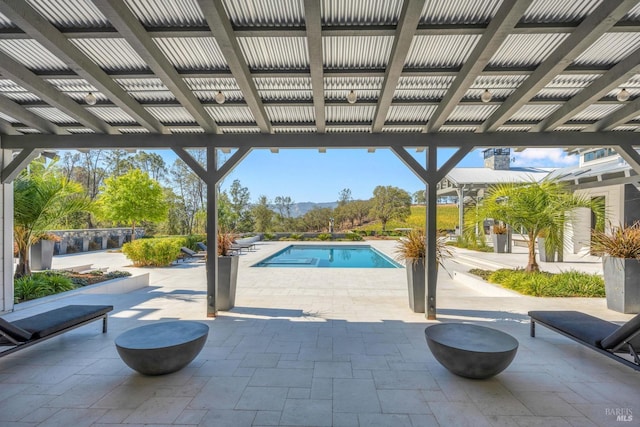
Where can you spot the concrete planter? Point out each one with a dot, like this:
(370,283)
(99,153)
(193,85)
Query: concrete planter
(621,284)
(416,270)
(227,280)
(545,255)
(499,243)
(41,255)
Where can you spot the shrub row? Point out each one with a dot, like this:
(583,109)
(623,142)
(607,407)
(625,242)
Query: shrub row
(542,284)
(154,252)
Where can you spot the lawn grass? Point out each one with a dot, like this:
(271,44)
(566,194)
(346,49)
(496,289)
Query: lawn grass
(542,284)
(447,219)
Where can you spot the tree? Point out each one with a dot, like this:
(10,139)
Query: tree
(42,200)
(191,192)
(420,198)
(263,215)
(151,163)
(239,205)
(535,207)
(390,203)
(132,198)
(344,197)
(317,219)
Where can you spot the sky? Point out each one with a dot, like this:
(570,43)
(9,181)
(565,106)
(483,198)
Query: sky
(310,176)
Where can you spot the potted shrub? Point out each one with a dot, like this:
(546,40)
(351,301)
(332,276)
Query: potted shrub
(412,250)
(499,238)
(41,253)
(546,249)
(227,272)
(620,250)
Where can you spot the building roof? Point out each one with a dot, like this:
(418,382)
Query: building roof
(287,66)
(487,176)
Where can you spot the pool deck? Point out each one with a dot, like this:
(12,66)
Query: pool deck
(316,347)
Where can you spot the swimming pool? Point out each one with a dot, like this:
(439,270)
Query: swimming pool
(329,256)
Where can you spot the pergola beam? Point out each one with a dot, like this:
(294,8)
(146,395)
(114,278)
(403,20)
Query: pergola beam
(497,31)
(616,118)
(631,156)
(19,162)
(222,30)
(28,118)
(191,162)
(594,25)
(22,75)
(129,27)
(620,73)
(313,25)
(453,161)
(407,24)
(41,30)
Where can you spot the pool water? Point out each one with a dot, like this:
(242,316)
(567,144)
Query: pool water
(328,256)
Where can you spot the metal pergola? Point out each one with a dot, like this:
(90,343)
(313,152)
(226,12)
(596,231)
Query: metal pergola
(242,75)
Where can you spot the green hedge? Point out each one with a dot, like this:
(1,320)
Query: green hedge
(156,252)
(40,285)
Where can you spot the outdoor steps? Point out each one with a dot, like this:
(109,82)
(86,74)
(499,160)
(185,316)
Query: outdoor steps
(85,268)
(475,262)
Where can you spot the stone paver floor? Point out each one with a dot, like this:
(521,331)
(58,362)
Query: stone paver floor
(312,347)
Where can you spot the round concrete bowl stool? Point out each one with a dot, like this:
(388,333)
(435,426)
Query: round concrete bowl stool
(162,348)
(471,351)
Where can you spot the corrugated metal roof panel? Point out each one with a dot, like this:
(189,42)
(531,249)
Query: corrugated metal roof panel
(188,53)
(499,93)
(575,128)
(28,131)
(360,12)
(8,118)
(626,128)
(153,96)
(349,113)
(514,128)
(521,50)
(53,115)
(572,80)
(167,115)
(534,112)
(80,130)
(112,115)
(424,82)
(558,93)
(445,12)
(72,85)
(140,85)
(366,88)
(446,128)
(287,114)
(495,82)
(362,94)
(419,94)
(79,96)
(405,113)
(214,84)
(186,130)
(356,51)
(634,91)
(464,113)
(283,83)
(20,97)
(32,55)
(111,54)
(550,11)
(7,85)
(261,13)
(241,130)
(5,22)
(633,15)
(286,95)
(275,53)
(632,82)
(300,129)
(440,51)
(231,114)
(610,48)
(596,111)
(133,130)
(70,13)
(210,95)
(402,129)
(162,13)
(350,129)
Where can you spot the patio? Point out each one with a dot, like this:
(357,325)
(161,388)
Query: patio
(312,347)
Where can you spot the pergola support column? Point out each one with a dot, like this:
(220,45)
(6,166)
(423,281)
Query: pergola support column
(212,233)
(6,238)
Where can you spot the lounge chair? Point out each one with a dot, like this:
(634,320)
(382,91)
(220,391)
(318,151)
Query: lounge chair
(23,333)
(192,254)
(605,337)
(201,246)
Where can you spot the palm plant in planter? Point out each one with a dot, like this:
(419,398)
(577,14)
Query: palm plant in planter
(412,250)
(620,250)
(227,271)
(499,237)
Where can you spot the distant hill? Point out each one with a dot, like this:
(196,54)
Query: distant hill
(299,209)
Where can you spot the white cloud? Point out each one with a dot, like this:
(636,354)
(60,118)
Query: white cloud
(543,157)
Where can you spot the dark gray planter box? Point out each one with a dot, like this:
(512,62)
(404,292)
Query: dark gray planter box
(227,279)
(499,243)
(621,284)
(545,256)
(41,255)
(416,283)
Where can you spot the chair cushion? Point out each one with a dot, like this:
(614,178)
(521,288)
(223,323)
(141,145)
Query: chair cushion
(15,332)
(583,327)
(53,321)
(623,334)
